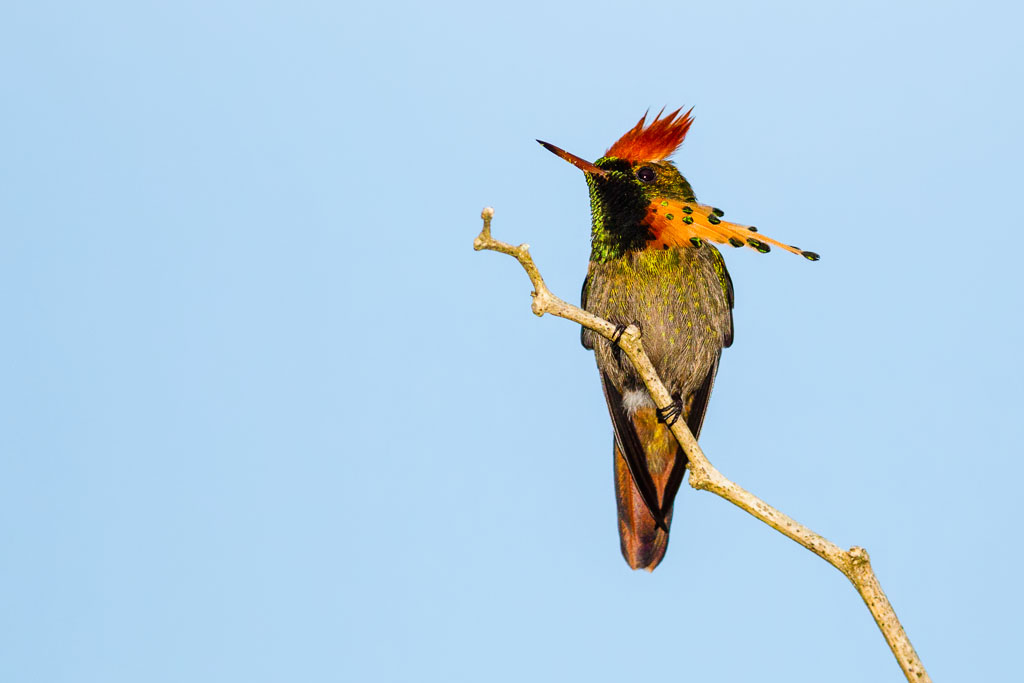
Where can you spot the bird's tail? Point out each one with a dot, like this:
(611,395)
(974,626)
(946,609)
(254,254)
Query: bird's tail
(643,540)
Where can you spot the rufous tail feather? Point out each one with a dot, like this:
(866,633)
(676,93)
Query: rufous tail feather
(643,542)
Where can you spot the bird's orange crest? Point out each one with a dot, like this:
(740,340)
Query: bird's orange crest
(655,141)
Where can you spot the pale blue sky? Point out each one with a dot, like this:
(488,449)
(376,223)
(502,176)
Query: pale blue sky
(266,416)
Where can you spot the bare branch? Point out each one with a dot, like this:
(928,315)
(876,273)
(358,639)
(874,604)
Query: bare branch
(854,564)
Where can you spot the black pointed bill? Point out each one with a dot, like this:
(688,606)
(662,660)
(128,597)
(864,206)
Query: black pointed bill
(581,164)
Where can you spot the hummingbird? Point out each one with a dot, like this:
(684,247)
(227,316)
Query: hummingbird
(653,264)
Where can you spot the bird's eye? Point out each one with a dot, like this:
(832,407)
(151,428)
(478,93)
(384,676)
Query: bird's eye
(646,174)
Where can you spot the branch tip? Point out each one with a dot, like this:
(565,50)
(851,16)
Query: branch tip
(859,556)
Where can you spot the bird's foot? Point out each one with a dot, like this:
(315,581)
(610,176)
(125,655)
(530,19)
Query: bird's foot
(620,328)
(670,413)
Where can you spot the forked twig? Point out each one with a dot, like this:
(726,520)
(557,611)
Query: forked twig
(853,563)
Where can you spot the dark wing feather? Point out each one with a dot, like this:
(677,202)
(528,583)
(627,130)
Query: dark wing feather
(725,280)
(699,405)
(694,420)
(731,294)
(586,336)
(632,450)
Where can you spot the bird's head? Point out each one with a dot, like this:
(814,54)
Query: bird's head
(631,175)
(640,200)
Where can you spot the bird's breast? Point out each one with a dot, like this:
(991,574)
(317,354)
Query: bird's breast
(677,298)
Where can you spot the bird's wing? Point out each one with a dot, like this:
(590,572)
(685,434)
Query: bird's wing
(632,450)
(699,403)
(586,335)
(678,223)
(725,280)
(695,412)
